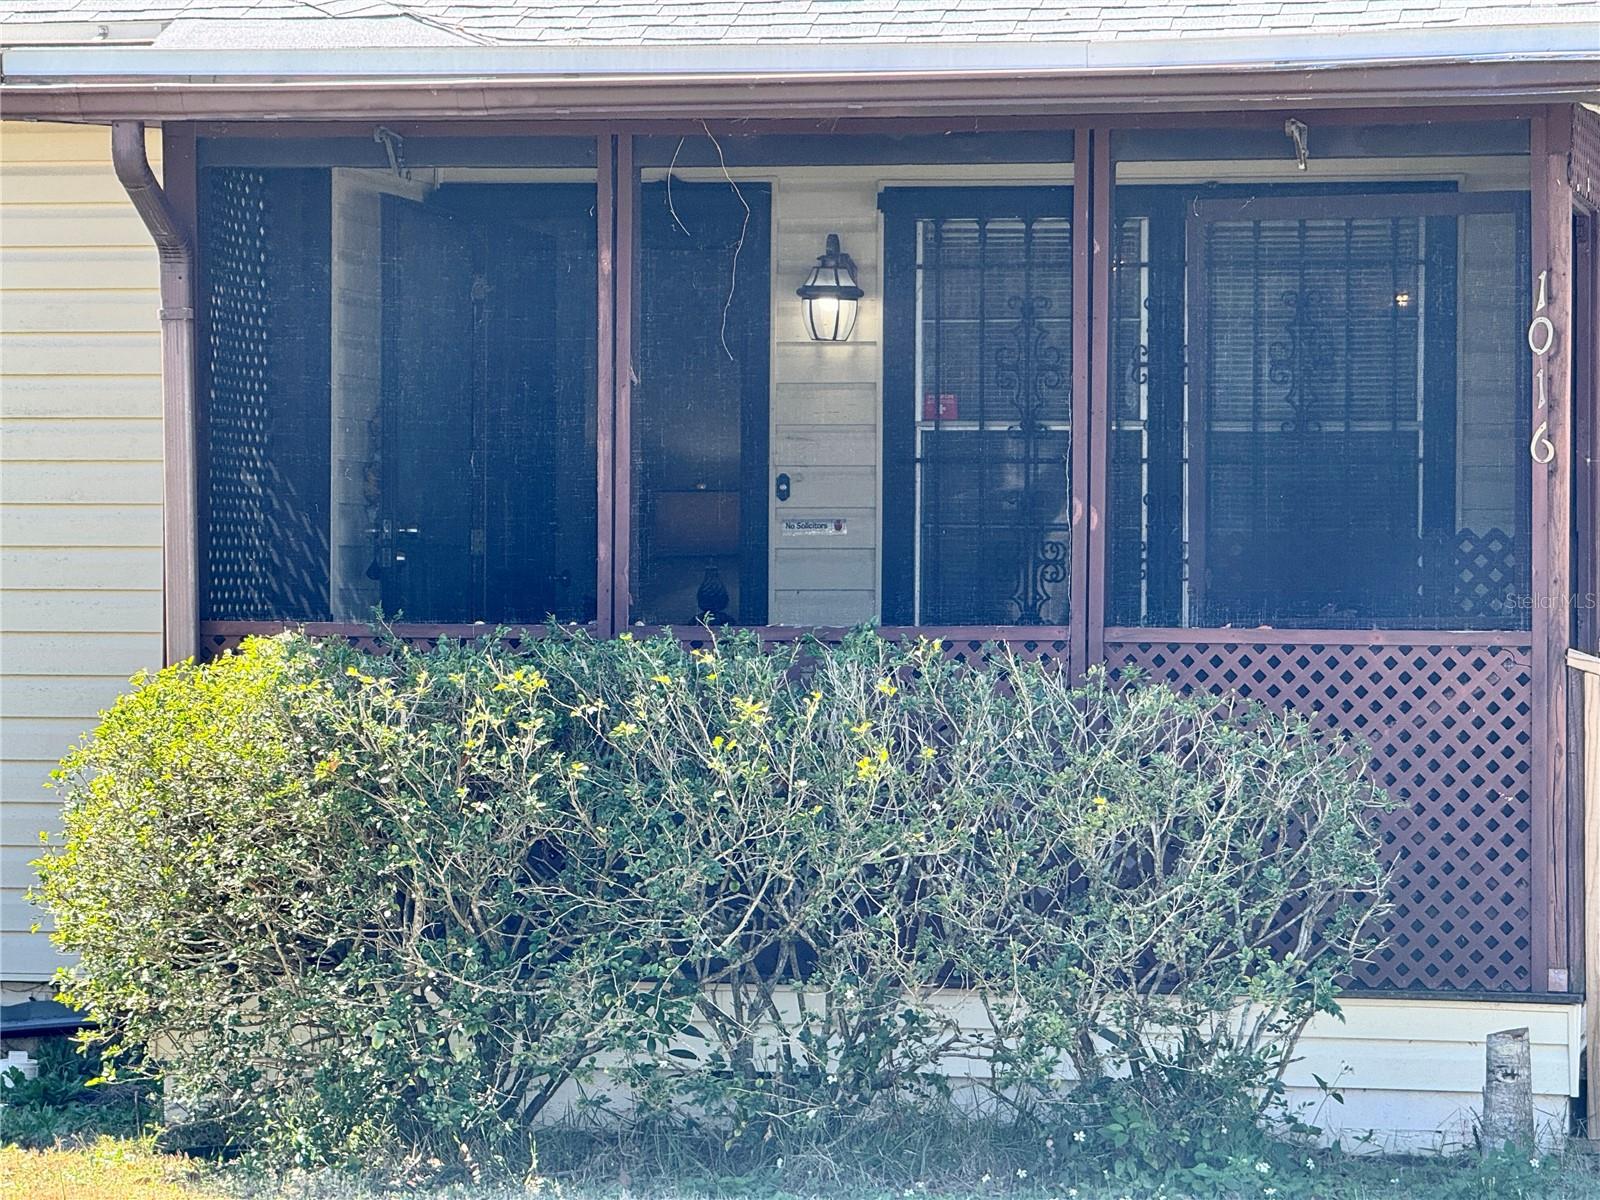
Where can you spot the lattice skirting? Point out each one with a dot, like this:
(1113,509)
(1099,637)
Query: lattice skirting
(1449,730)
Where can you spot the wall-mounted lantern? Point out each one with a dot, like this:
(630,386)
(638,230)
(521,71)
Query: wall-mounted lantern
(829,297)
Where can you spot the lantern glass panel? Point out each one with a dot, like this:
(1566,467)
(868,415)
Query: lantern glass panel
(830,318)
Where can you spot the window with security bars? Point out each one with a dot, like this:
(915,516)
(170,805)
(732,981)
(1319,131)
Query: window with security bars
(1319,410)
(399,383)
(978,406)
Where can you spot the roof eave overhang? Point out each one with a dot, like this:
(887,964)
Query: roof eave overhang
(810,95)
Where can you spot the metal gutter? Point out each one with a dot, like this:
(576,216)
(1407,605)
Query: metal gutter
(807,94)
(179,543)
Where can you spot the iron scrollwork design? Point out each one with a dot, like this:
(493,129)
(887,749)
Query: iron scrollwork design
(1030,370)
(1032,366)
(1304,357)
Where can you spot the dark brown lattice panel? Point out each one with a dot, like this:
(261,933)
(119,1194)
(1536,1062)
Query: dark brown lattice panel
(1050,651)
(265,543)
(1449,731)
(236,562)
(1482,578)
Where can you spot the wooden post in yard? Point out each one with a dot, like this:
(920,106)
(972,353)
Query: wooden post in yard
(1507,1091)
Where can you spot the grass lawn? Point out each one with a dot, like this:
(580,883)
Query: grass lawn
(63,1140)
(132,1169)
(107,1169)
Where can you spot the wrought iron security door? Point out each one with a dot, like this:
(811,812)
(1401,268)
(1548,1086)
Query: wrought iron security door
(978,487)
(1328,390)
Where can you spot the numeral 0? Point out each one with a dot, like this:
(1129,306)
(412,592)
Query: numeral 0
(1541,335)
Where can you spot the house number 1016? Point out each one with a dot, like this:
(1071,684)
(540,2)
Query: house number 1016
(1541,340)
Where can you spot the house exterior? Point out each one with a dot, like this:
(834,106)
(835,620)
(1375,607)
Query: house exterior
(1253,346)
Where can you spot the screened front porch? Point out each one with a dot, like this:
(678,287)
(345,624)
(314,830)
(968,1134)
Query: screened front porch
(1248,406)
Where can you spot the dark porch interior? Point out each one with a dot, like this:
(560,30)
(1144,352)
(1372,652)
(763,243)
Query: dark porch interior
(1175,405)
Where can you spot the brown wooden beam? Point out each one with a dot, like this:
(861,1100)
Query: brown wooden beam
(404,630)
(1260,119)
(1083,433)
(605,209)
(1279,636)
(1099,183)
(821,96)
(1550,336)
(1120,635)
(627,303)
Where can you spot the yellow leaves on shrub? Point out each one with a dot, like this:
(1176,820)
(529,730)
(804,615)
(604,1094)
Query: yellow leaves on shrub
(750,711)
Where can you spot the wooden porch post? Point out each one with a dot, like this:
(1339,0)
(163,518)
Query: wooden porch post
(616,214)
(1549,337)
(1084,434)
(627,260)
(1094,161)
(605,377)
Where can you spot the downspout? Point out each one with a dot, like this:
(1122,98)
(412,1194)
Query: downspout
(180,556)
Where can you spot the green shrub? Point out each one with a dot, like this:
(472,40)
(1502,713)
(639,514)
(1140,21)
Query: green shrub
(368,904)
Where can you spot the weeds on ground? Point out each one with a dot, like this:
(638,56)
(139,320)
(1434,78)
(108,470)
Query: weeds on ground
(134,1171)
(932,1161)
(65,1103)
(905,1163)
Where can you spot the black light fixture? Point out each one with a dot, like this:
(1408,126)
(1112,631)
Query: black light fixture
(829,297)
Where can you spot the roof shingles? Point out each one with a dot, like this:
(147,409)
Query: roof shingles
(578,22)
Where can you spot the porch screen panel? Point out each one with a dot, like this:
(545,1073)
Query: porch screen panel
(399,397)
(1320,411)
(265,291)
(484,455)
(1319,484)
(978,412)
(700,405)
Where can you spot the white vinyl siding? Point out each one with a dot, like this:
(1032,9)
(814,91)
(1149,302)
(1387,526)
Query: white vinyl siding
(80,479)
(825,408)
